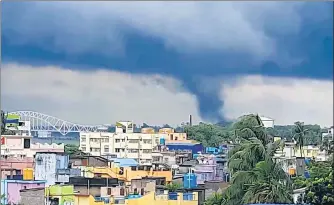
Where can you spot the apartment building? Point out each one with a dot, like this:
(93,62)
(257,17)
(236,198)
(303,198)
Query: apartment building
(125,143)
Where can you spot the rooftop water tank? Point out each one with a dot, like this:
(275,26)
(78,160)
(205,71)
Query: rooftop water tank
(307,161)
(28,174)
(162,141)
(189,181)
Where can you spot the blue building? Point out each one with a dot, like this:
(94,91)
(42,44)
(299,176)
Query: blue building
(54,168)
(193,147)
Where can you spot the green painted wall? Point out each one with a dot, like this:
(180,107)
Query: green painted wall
(65,193)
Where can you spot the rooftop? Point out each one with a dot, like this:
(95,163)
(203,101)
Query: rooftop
(125,162)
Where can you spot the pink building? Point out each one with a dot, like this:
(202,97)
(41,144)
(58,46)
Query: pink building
(11,189)
(17,153)
(15,165)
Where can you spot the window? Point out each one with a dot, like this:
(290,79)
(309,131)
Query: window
(133,150)
(95,149)
(147,141)
(117,141)
(39,161)
(83,148)
(106,148)
(133,141)
(26,143)
(109,191)
(147,151)
(117,150)
(83,139)
(122,192)
(105,140)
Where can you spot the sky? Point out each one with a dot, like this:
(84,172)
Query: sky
(159,62)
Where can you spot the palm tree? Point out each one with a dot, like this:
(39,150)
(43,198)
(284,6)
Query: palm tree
(266,183)
(254,147)
(299,135)
(215,199)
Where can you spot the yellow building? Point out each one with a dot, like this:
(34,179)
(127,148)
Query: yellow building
(153,199)
(87,200)
(309,151)
(64,194)
(126,173)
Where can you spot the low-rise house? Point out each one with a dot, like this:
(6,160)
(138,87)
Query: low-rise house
(11,189)
(128,173)
(92,186)
(152,198)
(88,161)
(20,146)
(15,165)
(53,167)
(32,196)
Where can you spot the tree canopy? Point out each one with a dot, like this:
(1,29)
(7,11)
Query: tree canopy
(215,134)
(256,176)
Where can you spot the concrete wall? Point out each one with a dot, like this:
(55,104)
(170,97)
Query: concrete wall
(32,197)
(11,189)
(153,199)
(94,191)
(86,200)
(45,168)
(63,192)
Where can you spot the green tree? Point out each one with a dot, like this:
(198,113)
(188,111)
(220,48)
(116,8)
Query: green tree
(3,121)
(208,134)
(320,192)
(2,197)
(71,149)
(299,133)
(215,199)
(266,183)
(313,136)
(251,163)
(173,186)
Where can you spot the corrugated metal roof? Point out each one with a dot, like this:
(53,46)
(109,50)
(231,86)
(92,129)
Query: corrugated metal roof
(126,162)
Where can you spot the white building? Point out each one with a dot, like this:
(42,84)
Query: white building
(20,146)
(125,143)
(23,128)
(267,122)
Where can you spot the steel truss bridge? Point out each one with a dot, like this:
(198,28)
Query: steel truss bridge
(43,122)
